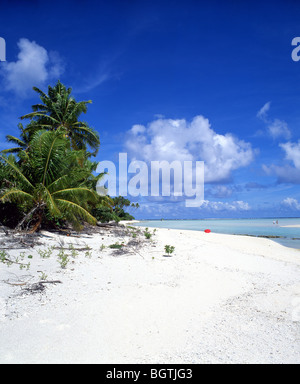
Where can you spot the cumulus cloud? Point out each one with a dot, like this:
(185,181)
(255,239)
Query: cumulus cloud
(169,140)
(34,67)
(175,210)
(137,129)
(275,128)
(292,152)
(279,128)
(219,192)
(290,202)
(287,173)
(225,206)
(284,173)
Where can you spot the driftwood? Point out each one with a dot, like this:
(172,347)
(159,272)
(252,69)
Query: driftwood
(33,286)
(19,226)
(39,287)
(9,261)
(133,247)
(15,284)
(49,282)
(87,248)
(19,241)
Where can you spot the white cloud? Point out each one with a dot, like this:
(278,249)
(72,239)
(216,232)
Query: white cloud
(284,173)
(92,81)
(169,140)
(275,128)
(137,129)
(219,191)
(225,206)
(291,203)
(292,151)
(287,173)
(262,113)
(172,210)
(34,67)
(279,128)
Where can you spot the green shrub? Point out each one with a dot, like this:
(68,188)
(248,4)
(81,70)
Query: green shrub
(147,234)
(169,249)
(116,246)
(63,259)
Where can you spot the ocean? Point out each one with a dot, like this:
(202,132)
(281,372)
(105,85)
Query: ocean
(289,237)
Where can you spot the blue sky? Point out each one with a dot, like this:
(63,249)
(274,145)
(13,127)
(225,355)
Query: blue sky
(208,81)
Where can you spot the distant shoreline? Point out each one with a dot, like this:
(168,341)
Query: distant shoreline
(224,218)
(290,226)
(281,230)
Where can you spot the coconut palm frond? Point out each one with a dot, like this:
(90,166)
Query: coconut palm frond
(70,208)
(16,195)
(16,170)
(60,109)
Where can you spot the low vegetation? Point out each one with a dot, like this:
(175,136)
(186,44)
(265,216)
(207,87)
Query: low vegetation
(169,249)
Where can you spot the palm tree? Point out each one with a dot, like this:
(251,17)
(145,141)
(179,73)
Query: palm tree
(50,182)
(21,144)
(59,110)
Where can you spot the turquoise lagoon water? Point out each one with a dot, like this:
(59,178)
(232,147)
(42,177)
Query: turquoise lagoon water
(289,237)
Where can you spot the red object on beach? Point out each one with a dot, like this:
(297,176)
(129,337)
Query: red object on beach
(207,231)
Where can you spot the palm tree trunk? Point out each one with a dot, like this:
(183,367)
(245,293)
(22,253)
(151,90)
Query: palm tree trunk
(38,223)
(19,226)
(40,214)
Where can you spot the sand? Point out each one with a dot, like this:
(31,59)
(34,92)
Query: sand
(290,226)
(217,299)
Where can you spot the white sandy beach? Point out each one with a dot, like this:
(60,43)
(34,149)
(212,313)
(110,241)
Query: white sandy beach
(218,299)
(290,226)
